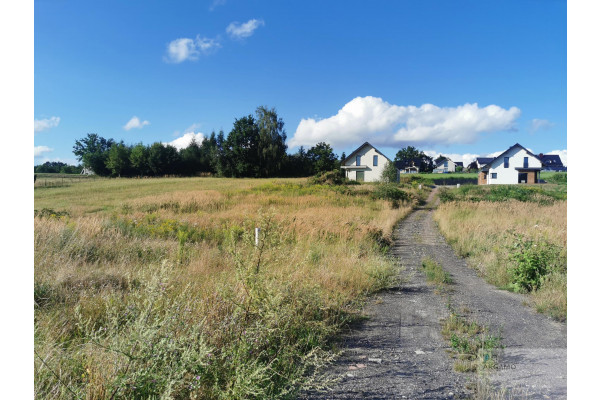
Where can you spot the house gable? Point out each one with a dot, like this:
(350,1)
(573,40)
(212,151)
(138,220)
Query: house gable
(372,163)
(520,164)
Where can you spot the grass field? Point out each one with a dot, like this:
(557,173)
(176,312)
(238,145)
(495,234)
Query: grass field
(154,287)
(515,236)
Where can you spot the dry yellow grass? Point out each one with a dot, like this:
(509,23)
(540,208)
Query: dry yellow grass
(484,231)
(323,255)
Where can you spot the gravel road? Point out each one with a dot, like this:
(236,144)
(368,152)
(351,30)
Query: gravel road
(398,351)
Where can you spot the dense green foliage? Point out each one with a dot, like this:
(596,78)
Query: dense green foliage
(254,148)
(410,153)
(532,260)
(57,167)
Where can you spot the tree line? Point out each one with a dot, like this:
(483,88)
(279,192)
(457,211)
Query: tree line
(255,147)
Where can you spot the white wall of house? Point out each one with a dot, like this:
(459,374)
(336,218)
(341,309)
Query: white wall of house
(510,175)
(451,167)
(372,173)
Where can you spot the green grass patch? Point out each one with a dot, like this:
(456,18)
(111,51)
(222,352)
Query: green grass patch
(435,273)
(541,194)
(473,347)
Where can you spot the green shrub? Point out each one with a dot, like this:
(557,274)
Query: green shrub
(531,261)
(391,192)
(335,177)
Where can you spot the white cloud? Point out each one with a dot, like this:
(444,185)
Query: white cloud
(135,123)
(39,151)
(180,50)
(43,124)
(240,31)
(184,141)
(562,154)
(217,3)
(537,124)
(374,120)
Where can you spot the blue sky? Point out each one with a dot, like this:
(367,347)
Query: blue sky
(462,78)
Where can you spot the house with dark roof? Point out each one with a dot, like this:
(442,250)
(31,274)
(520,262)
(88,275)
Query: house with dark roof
(444,166)
(412,166)
(365,164)
(552,162)
(515,165)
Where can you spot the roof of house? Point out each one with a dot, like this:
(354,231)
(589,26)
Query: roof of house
(509,149)
(551,160)
(443,161)
(484,160)
(459,163)
(360,147)
(413,162)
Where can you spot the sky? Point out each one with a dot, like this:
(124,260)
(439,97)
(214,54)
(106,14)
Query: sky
(462,78)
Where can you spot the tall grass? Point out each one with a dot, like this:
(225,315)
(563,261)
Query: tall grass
(155,288)
(488,232)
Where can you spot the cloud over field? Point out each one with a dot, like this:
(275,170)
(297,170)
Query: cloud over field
(43,124)
(182,49)
(135,123)
(240,31)
(381,123)
(39,151)
(189,134)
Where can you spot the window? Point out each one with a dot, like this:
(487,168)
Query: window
(375,160)
(526,162)
(446,164)
(505,162)
(357,161)
(494,175)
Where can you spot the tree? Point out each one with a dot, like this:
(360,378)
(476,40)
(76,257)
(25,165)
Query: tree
(118,159)
(322,158)
(240,149)
(191,158)
(271,142)
(92,151)
(159,159)
(410,153)
(389,173)
(139,159)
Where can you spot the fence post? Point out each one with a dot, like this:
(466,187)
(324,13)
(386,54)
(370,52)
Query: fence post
(256,233)
(458,185)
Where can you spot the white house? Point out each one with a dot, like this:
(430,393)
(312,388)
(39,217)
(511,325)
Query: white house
(515,165)
(444,166)
(365,164)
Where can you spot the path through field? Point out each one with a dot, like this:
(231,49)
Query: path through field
(399,353)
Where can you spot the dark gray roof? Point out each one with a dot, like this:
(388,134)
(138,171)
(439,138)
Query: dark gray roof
(417,162)
(551,160)
(484,160)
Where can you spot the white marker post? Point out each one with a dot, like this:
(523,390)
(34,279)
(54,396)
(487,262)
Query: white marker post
(256,232)
(458,185)
(419,186)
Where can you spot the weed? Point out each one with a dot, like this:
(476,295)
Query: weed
(435,273)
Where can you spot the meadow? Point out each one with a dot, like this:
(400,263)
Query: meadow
(155,288)
(515,236)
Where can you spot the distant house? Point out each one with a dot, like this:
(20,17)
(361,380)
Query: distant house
(459,164)
(515,165)
(444,166)
(365,164)
(552,162)
(412,166)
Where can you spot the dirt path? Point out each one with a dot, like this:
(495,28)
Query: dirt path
(399,353)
